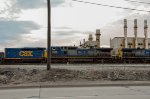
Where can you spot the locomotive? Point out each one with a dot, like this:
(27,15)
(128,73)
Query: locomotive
(72,54)
(133,55)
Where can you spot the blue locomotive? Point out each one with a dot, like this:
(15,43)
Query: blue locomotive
(74,54)
(132,55)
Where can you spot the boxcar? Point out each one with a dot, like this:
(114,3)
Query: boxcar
(24,55)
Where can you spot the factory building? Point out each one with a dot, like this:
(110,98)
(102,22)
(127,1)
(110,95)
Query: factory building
(91,43)
(118,42)
(131,42)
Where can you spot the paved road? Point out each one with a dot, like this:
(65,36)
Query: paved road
(85,66)
(131,92)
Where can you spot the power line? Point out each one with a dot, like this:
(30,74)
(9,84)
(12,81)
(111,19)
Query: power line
(137,1)
(110,6)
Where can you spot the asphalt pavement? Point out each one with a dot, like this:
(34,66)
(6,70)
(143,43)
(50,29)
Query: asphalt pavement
(126,92)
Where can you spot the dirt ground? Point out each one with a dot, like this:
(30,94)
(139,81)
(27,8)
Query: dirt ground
(21,76)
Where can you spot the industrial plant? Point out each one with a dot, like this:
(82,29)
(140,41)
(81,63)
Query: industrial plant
(90,43)
(122,49)
(132,42)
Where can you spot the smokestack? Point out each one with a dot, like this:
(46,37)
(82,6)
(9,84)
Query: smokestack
(125,33)
(145,33)
(80,44)
(110,42)
(90,37)
(83,42)
(98,34)
(135,33)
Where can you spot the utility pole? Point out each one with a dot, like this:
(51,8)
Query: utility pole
(49,35)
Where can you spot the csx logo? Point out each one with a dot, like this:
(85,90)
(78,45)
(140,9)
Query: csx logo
(26,53)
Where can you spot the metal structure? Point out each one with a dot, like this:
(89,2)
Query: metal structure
(135,33)
(49,35)
(90,43)
(125,33)
(98,34)
(145,33)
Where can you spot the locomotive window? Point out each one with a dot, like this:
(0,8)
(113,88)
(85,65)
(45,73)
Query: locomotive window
(65,47)
(72,47)
(140,44)
(129,43)
(53,49)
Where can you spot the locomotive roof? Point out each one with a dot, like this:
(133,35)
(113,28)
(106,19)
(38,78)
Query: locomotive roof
(28,48)
(104,48)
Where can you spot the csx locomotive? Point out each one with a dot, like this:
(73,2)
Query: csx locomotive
(72,54)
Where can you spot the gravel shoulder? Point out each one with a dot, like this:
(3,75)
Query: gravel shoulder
(17,78)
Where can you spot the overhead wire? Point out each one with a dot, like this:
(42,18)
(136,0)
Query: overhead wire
(99,4)
(137,1)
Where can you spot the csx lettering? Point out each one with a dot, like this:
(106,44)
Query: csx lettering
(26,53)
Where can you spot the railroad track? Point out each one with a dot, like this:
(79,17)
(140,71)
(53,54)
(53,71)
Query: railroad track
(80,66)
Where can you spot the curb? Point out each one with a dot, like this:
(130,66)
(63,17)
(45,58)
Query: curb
(73,85)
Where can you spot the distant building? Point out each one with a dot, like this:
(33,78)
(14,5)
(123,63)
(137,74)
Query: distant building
(90,43)
(131,42)
(118,42)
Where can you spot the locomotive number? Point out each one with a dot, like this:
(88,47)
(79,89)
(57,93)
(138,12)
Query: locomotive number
(26,53)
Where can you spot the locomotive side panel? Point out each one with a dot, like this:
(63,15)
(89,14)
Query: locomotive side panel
(142,53)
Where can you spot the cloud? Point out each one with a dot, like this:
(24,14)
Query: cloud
(138,6)
(115,29)
(66,33)
(62,28)
(13,30)
(144,4)
(29,4)
(32,4)
(56,3)
(12,8)
(8,10)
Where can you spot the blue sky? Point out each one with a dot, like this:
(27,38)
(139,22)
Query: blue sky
(23,23)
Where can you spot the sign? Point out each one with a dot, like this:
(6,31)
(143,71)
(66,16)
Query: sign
(26,53)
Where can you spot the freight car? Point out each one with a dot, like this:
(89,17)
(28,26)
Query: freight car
(132,55)
(23,55)
(1,57)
